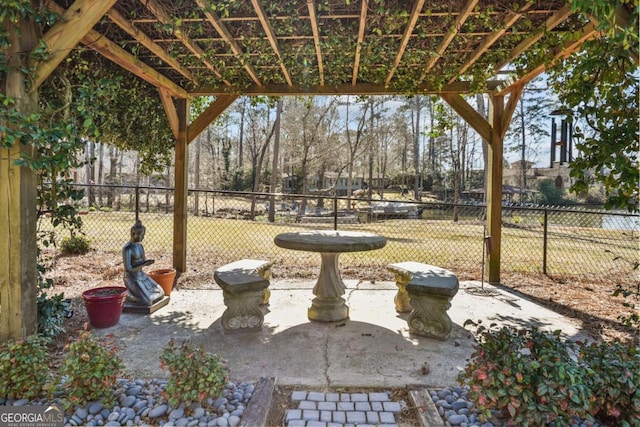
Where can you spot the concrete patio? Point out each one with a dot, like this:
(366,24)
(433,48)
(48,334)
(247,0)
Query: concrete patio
(371,349)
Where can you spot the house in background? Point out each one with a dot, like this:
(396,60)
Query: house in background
(513,176)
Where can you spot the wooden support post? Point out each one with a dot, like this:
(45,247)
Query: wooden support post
(18,215)
(180,197)
(494,185)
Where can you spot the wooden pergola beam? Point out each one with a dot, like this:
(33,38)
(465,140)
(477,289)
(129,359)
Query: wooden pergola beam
(205,118)
(18,195)
(76,22)
(219,26)
(316,38)
(115,53)
(147,42)
(413,19)
(361,27)
(510,108)
(492,131)
(469,114)
(170,110)
(587,32)
(187,41)
(451,34)
(180,192)
(507,23)
(271,36)
(494,168)
(341,89)
(553,21)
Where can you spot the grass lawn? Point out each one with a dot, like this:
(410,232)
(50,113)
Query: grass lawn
(453,245)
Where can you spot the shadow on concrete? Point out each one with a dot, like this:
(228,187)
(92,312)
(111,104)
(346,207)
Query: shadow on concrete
(370,349)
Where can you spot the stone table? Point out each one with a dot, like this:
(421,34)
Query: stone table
(328,305)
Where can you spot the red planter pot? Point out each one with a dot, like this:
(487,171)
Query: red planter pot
(104,305)
(164,277)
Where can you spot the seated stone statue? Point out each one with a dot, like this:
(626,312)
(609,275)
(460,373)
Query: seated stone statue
(143,290)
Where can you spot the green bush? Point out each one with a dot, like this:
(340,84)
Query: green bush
(529,376)
(90,369)
(614,376)
(52,311)
(23,368)
(194,375)
(75,245)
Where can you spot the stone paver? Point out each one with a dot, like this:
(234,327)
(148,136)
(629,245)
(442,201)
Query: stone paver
(341,409)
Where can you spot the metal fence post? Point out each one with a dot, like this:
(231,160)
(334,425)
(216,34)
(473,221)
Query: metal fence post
(544,241)
(335,213)
(137,201)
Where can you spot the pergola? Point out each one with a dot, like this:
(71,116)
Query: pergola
(224,49)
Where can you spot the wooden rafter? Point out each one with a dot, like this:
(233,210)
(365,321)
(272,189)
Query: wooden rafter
(316,38)
(446,41)
(413,19)
(189,43)
(146,41)
(271,35)
(560,16)
(76,22)
(219,26)
(584,34)
(115,53)
(361,27)
(507,23)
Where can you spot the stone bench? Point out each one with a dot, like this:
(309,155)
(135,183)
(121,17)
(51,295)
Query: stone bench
(245,286)
(426,291)
(252,266)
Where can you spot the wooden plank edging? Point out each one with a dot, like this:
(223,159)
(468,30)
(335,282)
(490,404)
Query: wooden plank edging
(258,408)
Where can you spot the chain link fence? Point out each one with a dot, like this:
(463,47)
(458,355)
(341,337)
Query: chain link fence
(225,226)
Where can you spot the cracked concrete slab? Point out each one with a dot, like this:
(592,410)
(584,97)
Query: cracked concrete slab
(373,348)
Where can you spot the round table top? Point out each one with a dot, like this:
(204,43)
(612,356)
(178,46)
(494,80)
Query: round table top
(330,241)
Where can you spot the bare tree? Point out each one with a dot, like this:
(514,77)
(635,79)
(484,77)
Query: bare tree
(307,125)
(354,143)
(274,164)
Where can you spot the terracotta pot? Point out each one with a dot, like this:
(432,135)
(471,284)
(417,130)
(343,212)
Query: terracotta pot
(164,277)
(104,305)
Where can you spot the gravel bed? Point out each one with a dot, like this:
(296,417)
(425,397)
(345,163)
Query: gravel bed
(456,409)
(141,402)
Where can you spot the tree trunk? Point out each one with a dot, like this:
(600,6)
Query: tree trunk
(91,174)
(274,165)
(416,151)
(111,177)
(100,180)
(196,178)
(483,112)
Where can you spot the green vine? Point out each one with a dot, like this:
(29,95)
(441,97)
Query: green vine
(84,99)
